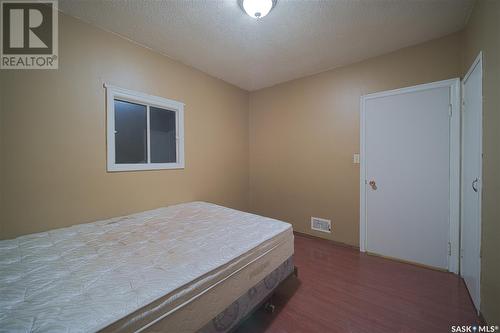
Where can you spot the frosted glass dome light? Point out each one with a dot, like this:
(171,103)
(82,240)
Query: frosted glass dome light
(257,8)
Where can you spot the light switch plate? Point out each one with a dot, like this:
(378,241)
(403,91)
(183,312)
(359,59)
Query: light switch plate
(355,159)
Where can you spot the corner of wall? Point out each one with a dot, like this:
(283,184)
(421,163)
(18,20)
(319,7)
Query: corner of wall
(1,173)
(249,203)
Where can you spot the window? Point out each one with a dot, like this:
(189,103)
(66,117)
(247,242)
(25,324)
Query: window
(144,132)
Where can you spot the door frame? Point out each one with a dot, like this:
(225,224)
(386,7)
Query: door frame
(455,150)
(477,62)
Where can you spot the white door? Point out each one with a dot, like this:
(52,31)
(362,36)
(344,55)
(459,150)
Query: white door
(407,174)
(470,261)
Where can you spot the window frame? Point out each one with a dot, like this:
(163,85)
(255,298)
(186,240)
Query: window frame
(147,100)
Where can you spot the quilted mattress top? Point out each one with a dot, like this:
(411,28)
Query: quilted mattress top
(85,277)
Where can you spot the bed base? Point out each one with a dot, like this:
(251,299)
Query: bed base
(221,323)
(269,305)
(268,302)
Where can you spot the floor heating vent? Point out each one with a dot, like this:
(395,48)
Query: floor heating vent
(322,225)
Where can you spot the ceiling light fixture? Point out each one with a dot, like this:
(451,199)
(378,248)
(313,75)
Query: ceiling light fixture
(258,8)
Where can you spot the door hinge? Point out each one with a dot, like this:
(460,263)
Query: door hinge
(449,248)
(450,110)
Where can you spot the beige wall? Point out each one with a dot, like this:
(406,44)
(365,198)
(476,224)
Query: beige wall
(53,144)
(303,134)
(483,33)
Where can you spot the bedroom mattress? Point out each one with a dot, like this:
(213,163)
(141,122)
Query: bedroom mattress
(138,272)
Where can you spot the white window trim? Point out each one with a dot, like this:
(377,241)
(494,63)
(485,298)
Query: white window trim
(113,93)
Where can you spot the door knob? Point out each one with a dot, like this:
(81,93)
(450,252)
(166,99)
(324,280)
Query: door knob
(373,184)
(474,184)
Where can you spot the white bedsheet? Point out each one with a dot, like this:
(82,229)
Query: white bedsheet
(85,277)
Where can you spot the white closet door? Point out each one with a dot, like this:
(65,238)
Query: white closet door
(471,181)
(407,163)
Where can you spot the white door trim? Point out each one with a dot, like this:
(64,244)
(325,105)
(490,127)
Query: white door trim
(454,202)
(477,61)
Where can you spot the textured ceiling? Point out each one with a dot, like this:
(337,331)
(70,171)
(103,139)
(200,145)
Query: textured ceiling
(297,38)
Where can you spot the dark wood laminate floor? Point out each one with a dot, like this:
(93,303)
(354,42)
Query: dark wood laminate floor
(340,289)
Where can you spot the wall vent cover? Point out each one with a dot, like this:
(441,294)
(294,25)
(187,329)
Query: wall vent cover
(322,225)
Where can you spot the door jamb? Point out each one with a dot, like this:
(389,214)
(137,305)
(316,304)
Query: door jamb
(454,199)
